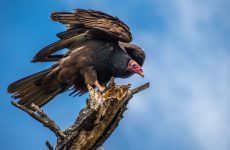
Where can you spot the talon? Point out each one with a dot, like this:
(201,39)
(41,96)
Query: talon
(89,87)
(111,82)
(101,88)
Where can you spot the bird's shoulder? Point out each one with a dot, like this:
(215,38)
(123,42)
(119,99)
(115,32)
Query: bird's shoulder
(92,52)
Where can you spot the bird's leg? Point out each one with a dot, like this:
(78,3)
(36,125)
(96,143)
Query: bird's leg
(90,76)
(101,88)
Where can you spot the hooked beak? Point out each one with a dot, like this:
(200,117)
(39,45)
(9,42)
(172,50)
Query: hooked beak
(141,74)
(135,68)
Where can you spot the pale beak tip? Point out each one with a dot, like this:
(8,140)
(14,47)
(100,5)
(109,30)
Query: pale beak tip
(142,74)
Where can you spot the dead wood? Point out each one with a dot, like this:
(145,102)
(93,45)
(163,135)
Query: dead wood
(95,122)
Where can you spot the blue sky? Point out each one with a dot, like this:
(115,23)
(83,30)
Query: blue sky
(188,59)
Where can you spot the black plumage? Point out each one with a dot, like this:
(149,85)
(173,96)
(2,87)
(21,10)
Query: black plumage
(99,49)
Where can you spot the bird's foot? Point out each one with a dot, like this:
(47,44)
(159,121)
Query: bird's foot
(100,87)
(92,92)
(96,98)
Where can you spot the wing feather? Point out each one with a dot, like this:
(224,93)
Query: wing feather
(92,19)
(61,44)
(83,25)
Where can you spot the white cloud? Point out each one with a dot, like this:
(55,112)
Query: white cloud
(192,80)
(189,74)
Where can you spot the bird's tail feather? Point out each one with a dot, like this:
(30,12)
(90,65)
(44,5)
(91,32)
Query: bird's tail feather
(31,90)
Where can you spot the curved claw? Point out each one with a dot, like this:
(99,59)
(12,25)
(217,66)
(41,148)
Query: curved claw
(102,88)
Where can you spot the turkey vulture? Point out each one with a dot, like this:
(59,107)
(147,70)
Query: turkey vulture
(99,48)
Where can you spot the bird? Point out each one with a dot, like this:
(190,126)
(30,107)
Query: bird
(99,48)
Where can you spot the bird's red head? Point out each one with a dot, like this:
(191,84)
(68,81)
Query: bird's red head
(135,67)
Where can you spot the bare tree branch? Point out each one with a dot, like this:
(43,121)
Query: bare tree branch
(40,116)
(140,88)
(95,122)
(50,147)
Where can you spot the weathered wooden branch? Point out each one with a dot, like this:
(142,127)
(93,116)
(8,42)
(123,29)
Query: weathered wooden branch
(95,122)
(40,116)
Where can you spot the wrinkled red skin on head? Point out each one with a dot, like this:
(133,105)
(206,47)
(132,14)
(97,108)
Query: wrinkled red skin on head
(135,67)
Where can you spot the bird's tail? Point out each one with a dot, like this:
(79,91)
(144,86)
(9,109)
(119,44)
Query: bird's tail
(32,89)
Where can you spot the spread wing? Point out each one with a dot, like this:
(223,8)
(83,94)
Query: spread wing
(67,40)
(83,25)
(92,19)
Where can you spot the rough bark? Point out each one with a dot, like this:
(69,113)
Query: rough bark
(95,122)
